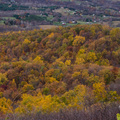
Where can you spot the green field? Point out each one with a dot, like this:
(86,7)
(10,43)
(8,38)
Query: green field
(57,23)
(12,18)
(1,22)
(50,17)
(81,22)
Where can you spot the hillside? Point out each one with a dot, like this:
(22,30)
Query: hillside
(20,15)
(64,68)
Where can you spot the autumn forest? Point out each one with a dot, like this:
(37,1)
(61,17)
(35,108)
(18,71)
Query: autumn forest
(63,73)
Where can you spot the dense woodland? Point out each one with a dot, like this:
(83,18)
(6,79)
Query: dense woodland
(69,73)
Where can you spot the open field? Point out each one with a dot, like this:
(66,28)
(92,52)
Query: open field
(12,18)
(115,23)
(1,22)
(44,27)
(64,11)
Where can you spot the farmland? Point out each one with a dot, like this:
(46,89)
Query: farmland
(24,15)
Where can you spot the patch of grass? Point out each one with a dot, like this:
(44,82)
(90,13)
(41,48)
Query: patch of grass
(64,11)
(70,24)
(50,17)
(1,22)
(57,23)
(115,23)
(44,27)
(81,22)
(12,18)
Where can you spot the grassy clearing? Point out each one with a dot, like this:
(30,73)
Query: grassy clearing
(81,22)
(44,27)
(12,18)
(64,11)
(1,22)
(57,23)
(50,17)
(115,23)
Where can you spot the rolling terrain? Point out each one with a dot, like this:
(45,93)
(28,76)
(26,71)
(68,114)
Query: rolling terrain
(60,72)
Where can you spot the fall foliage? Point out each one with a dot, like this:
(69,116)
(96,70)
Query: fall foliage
(50,70)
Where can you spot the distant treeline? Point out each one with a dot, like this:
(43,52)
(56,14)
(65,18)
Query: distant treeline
(7,7)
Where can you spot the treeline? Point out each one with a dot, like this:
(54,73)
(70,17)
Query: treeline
(48,71)
(10,7)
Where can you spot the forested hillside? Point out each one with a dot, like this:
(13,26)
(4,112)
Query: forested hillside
(71,69)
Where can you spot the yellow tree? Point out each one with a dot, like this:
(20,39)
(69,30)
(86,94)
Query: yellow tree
(99,91)
(78,40)
(91,56)
(38,60)
(5,106)
(3,78)
(80,57)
